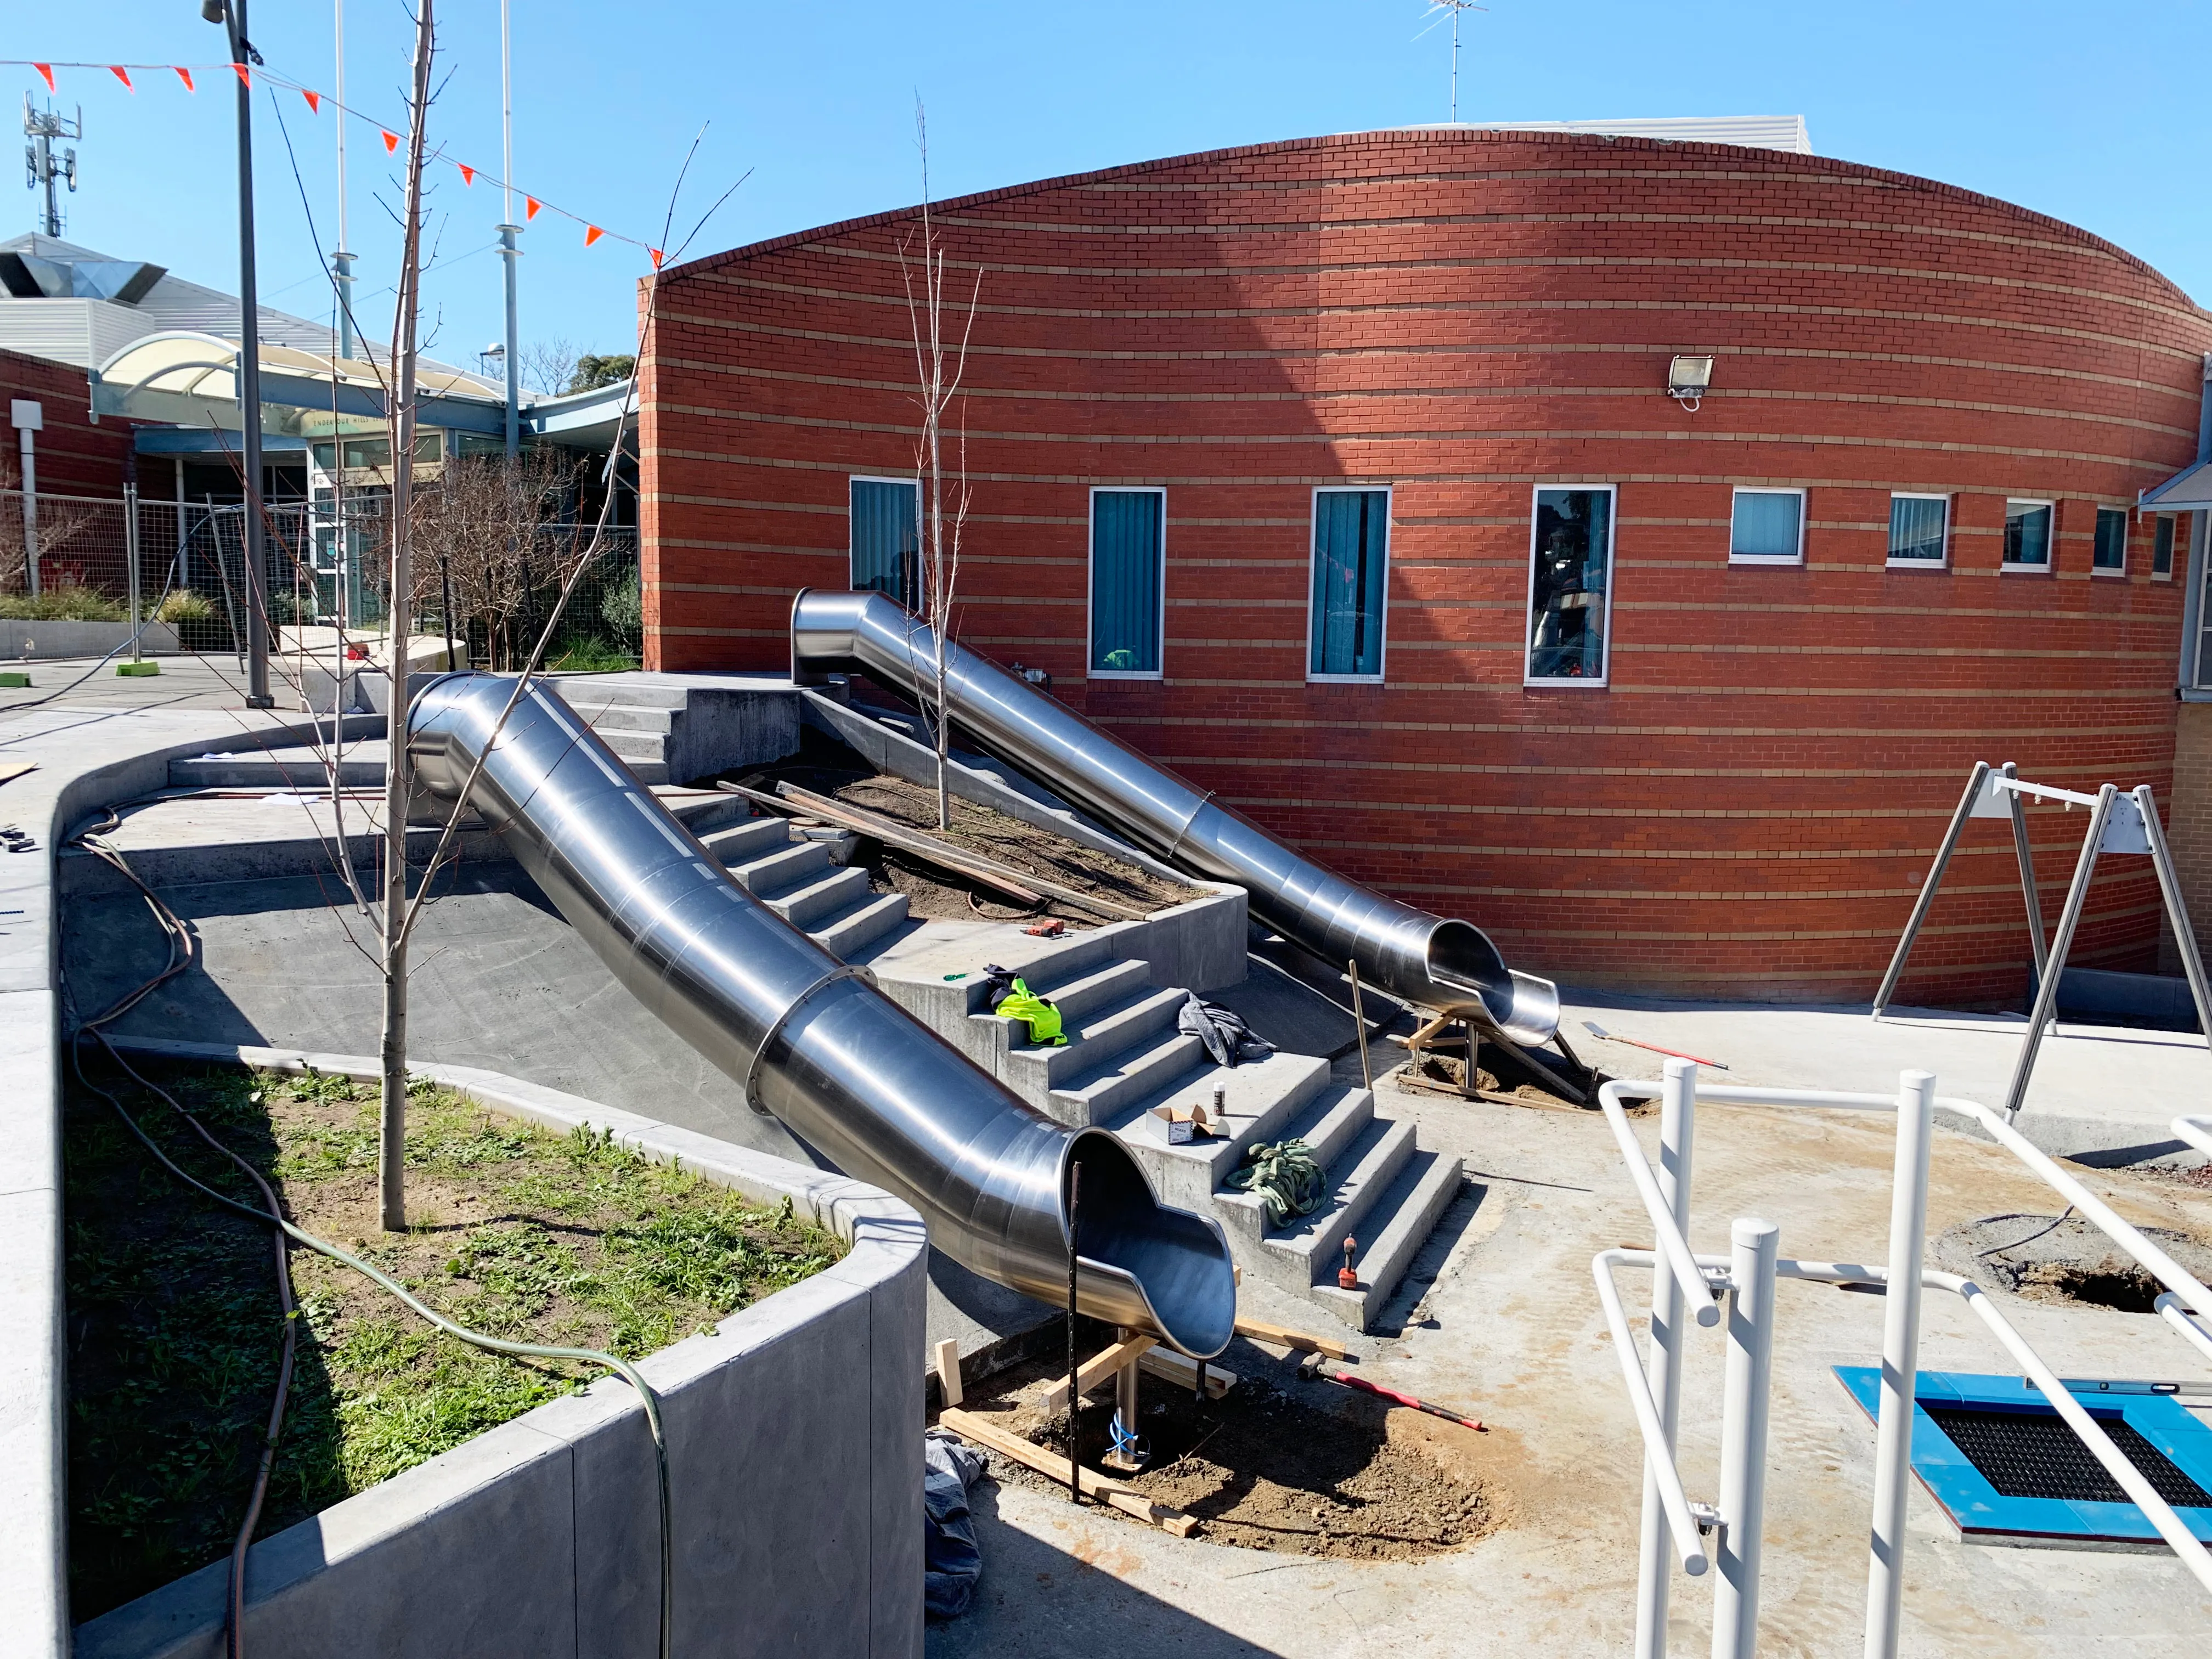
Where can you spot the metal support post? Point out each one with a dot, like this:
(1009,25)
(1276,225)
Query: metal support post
(26,424)
(1656,1568)
(2176,912)
(2026,854)
(1756,1245)
(1900,1363)
(1125,1414)
(130,559)
(1928,888)
(2046,992)
(510,251)
(249,380)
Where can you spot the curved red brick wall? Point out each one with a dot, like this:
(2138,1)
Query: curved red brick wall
(1746,808)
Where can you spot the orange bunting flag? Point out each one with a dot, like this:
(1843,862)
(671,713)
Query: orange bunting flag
(592,233)
(46,73)
(314,100)
(530,206)
(185,76)
(244,76)
(122,74)
(391,140)
(468,172)
(655,253)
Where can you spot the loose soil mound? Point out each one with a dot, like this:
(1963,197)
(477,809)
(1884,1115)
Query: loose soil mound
(933,892)
(175,1331)
(1317,1472)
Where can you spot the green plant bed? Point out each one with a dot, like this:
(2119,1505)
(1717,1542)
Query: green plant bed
(69,602)
(589,656)
(175,1333)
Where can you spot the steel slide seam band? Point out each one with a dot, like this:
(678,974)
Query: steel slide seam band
(1188,822)
(845,970)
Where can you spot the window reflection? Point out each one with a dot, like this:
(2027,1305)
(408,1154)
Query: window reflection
(1567,599)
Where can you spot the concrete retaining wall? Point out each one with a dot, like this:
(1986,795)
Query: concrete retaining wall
(794,1439)
(41,640)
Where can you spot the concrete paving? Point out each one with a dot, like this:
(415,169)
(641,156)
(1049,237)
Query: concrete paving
(1515,1336)
(2100,1093)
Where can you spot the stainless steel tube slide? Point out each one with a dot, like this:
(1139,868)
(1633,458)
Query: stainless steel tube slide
(1447,965)
(812,1041)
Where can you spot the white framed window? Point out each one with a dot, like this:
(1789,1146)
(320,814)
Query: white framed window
(1349,598)
(1767,526)
(1128,583)
(2028,532)
(886,537)
(2110,557)
(2161,547)
(1919,531)
(1570,584)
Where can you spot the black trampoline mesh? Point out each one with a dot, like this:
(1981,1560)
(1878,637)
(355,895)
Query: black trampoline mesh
(2035,1455)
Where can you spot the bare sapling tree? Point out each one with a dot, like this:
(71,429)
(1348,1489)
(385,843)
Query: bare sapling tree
(391,1141)
(938,386)
(488,524)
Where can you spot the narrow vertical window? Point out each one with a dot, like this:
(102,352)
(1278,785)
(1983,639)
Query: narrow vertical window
(1919,530)
(2161,545)
(1128,558)
(2111,554)
(1767,526)
(1351,552)
(887,538)
(1570,576)
(2028,536)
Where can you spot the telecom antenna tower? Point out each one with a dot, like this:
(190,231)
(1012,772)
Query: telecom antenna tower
(42,129)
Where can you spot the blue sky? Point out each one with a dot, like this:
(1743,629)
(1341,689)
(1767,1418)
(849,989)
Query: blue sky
(2090,113)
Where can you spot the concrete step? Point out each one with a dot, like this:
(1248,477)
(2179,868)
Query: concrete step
(283,769)
(1133,1075)
(1297,1255)
(1096,1040)
(703,812)
(1333,1119)
(1398,1226)
(1261,1099)
(623,717)
(589,693)
(771,873)
(854,930)
(635,745)
(1082,993)
(817,899)
(749,838)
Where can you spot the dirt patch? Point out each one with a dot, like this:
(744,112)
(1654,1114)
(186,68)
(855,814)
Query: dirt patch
(1509,1082)
(1298,1469)
(933,892)
(2064,1261)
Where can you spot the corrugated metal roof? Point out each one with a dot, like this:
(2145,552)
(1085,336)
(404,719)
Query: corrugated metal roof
(1785,132)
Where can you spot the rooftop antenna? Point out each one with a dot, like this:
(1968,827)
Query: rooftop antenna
(1439,9)
(42,128)
(340,258)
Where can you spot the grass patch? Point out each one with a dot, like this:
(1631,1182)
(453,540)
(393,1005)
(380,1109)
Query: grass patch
(67,602)
(174,1334)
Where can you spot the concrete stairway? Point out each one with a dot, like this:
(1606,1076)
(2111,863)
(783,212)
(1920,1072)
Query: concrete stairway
(803,881)
(637,719)
(1124,1056)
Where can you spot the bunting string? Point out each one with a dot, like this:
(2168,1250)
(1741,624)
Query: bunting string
(532,203)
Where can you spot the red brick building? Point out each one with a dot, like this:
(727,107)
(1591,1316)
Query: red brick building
(1451,591)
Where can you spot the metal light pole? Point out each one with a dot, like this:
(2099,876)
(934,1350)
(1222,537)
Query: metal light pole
(509,251)
(341,259)
(232,14)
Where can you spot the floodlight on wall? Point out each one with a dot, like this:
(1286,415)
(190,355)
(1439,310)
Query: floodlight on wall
(1688,378)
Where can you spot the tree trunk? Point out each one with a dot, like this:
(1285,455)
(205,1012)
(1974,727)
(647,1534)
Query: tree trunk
(391,1141)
